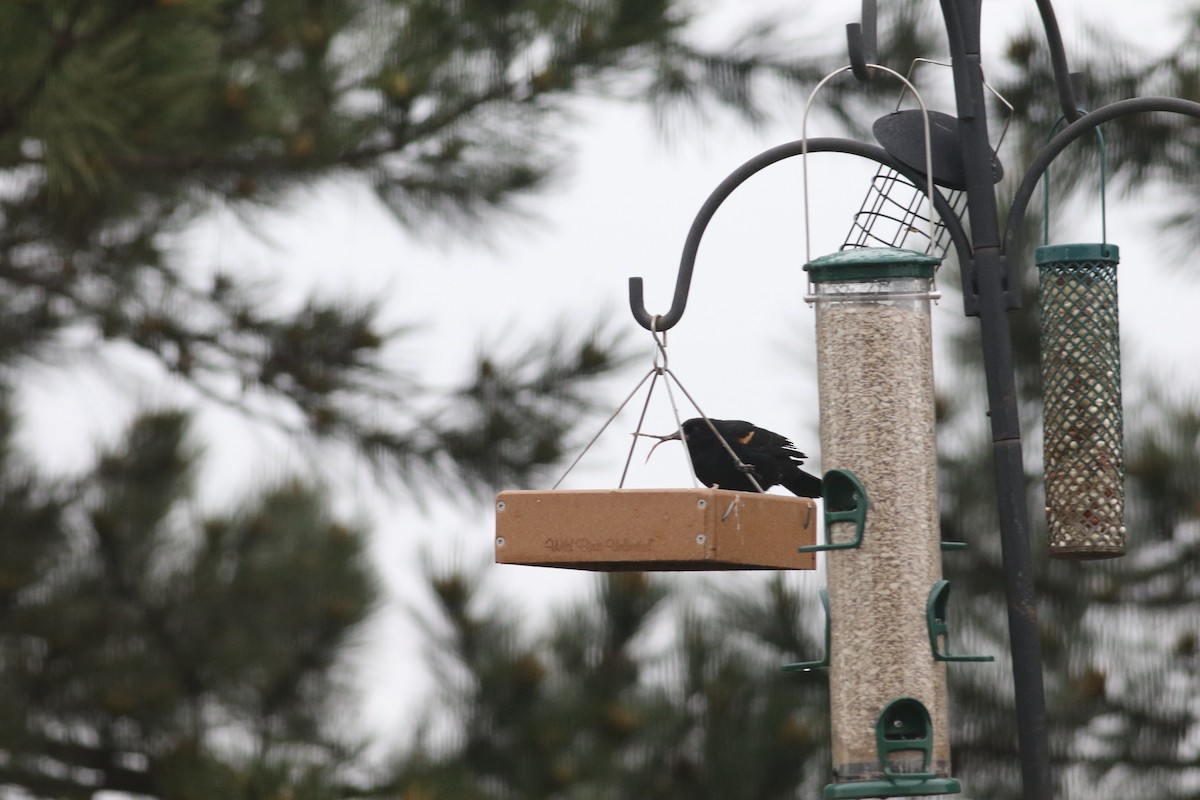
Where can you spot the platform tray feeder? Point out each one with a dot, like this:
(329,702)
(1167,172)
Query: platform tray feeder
(671,530)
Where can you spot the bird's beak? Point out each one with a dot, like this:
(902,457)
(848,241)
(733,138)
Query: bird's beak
(674,437)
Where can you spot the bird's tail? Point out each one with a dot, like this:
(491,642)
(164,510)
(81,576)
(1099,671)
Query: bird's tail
(800,483)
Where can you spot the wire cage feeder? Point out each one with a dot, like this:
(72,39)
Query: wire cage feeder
(897,212)
(670,530)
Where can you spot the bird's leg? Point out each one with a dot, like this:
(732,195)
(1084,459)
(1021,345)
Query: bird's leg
(748,471)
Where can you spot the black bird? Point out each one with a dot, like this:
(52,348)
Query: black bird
(772,459)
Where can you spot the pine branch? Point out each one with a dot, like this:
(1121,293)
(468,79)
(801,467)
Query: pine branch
(80,759)
(64,41)
(117,563)
(43,785)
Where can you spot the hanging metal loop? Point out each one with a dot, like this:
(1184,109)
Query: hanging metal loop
(1103,184)
(928,150)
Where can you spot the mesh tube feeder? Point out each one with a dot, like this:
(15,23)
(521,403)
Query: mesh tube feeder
(1081,387)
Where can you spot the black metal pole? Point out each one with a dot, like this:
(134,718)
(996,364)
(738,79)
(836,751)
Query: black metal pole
(986,279)
(1009,475)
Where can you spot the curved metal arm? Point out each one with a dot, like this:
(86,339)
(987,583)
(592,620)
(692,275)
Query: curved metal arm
(1093,119)
(1058,61)
(687,261)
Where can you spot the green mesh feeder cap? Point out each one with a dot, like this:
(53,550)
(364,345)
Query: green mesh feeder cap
(1083,425)
(871,264)
(1087,253)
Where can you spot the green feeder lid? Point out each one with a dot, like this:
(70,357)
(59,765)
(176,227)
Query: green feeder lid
(1051,253)
(871,263)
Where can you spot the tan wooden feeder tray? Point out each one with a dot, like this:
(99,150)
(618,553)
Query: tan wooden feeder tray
(654,529)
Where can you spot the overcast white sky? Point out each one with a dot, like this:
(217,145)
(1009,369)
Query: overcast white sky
(624,210)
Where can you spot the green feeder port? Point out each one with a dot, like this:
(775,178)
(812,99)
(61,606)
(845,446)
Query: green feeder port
(939,628)
(1081,385)
(809,666)
(904,740)
(845,501)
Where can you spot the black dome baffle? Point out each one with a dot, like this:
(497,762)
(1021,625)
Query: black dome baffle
(902,135)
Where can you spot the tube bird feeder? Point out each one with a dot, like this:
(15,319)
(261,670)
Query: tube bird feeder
(875,372)
(1083,420)
(1081,387)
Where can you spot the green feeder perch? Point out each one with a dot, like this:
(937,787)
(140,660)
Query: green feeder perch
(1081,387)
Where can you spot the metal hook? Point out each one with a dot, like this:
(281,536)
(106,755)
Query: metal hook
(861,42)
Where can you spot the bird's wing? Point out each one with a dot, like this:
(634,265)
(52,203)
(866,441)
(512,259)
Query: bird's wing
(769,441)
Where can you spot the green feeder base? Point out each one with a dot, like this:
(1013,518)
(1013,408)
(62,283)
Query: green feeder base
(900,788)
